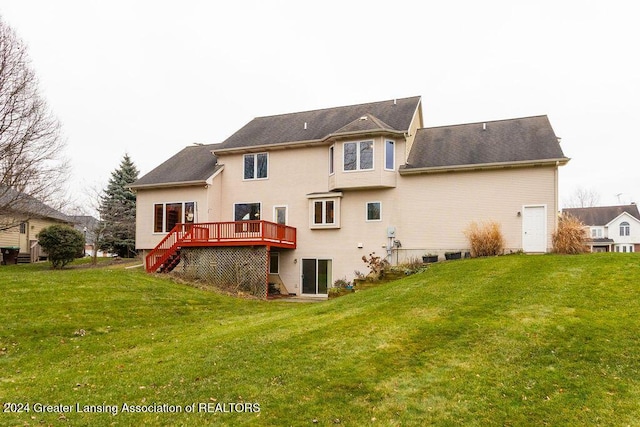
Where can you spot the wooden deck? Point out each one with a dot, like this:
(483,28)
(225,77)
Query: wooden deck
(165,255)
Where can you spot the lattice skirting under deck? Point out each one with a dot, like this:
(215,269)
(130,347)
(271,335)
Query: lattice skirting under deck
(237,269)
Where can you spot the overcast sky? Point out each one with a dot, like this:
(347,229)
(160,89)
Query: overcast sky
(148,78)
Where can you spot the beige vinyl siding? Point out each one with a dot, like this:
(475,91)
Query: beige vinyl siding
(9,237)
(416,124)
(146,199)
(436,209)
(429,211)
(13,237)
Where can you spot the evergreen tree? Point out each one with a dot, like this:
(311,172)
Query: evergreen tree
(118,211)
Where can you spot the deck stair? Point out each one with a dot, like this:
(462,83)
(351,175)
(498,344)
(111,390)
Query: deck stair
(24,258)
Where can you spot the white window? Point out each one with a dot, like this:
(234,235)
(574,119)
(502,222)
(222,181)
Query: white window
(625,228)
(358,155)
(389,155)
(274,262)
(596,233)
(280,214)
(246,211)
(374,211)
(324,212)
(331,157)
(256,166)
(168,215)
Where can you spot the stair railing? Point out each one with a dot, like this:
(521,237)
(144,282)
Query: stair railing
(167,247)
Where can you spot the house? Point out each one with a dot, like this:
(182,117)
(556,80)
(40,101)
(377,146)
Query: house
(610,228)
(20,223)
(87,225)
(298,199)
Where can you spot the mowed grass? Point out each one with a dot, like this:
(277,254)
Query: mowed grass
(514,340)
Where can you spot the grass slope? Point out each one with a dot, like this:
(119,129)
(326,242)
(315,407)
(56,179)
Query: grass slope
(517,340)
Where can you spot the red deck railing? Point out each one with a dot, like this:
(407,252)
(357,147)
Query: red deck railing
(238,233)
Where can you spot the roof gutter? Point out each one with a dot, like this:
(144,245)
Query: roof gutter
(167,184)
(484,166)
(178,183)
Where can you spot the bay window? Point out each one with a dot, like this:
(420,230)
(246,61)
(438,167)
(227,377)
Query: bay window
(389,155)
(324,210)
(358,155)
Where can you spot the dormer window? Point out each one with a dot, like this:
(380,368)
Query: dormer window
(358,155)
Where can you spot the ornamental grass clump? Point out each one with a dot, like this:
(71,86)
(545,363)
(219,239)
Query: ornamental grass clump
(485,239)
(570,237)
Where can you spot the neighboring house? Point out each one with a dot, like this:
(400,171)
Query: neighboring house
(610,228)
(300,198)
(20,226)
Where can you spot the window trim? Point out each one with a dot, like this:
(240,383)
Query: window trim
(625,229)
(366,211)
(255,166)
(323,198)
(332,165)
(286,213)
(324,203)
(393,160)
(233,213)
(358,159)
(183,215)
(273,254)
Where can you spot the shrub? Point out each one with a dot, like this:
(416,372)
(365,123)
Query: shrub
(485,239)
(570,237)
(62,243)
(376,266)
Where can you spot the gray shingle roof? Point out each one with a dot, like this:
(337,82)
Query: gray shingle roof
(20,203)
(396,115)
(193,164)
(500,141)
(602,215)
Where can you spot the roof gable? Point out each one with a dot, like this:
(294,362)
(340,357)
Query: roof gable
(317,125)
(364,124)
(194,164)
(602,215)
(497,142)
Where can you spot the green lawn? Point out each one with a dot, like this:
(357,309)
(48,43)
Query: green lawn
(514,340)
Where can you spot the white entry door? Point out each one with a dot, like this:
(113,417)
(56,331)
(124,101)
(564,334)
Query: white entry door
(534,229)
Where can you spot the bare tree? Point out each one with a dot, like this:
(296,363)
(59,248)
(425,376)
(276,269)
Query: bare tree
(583,198)
(32,167)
